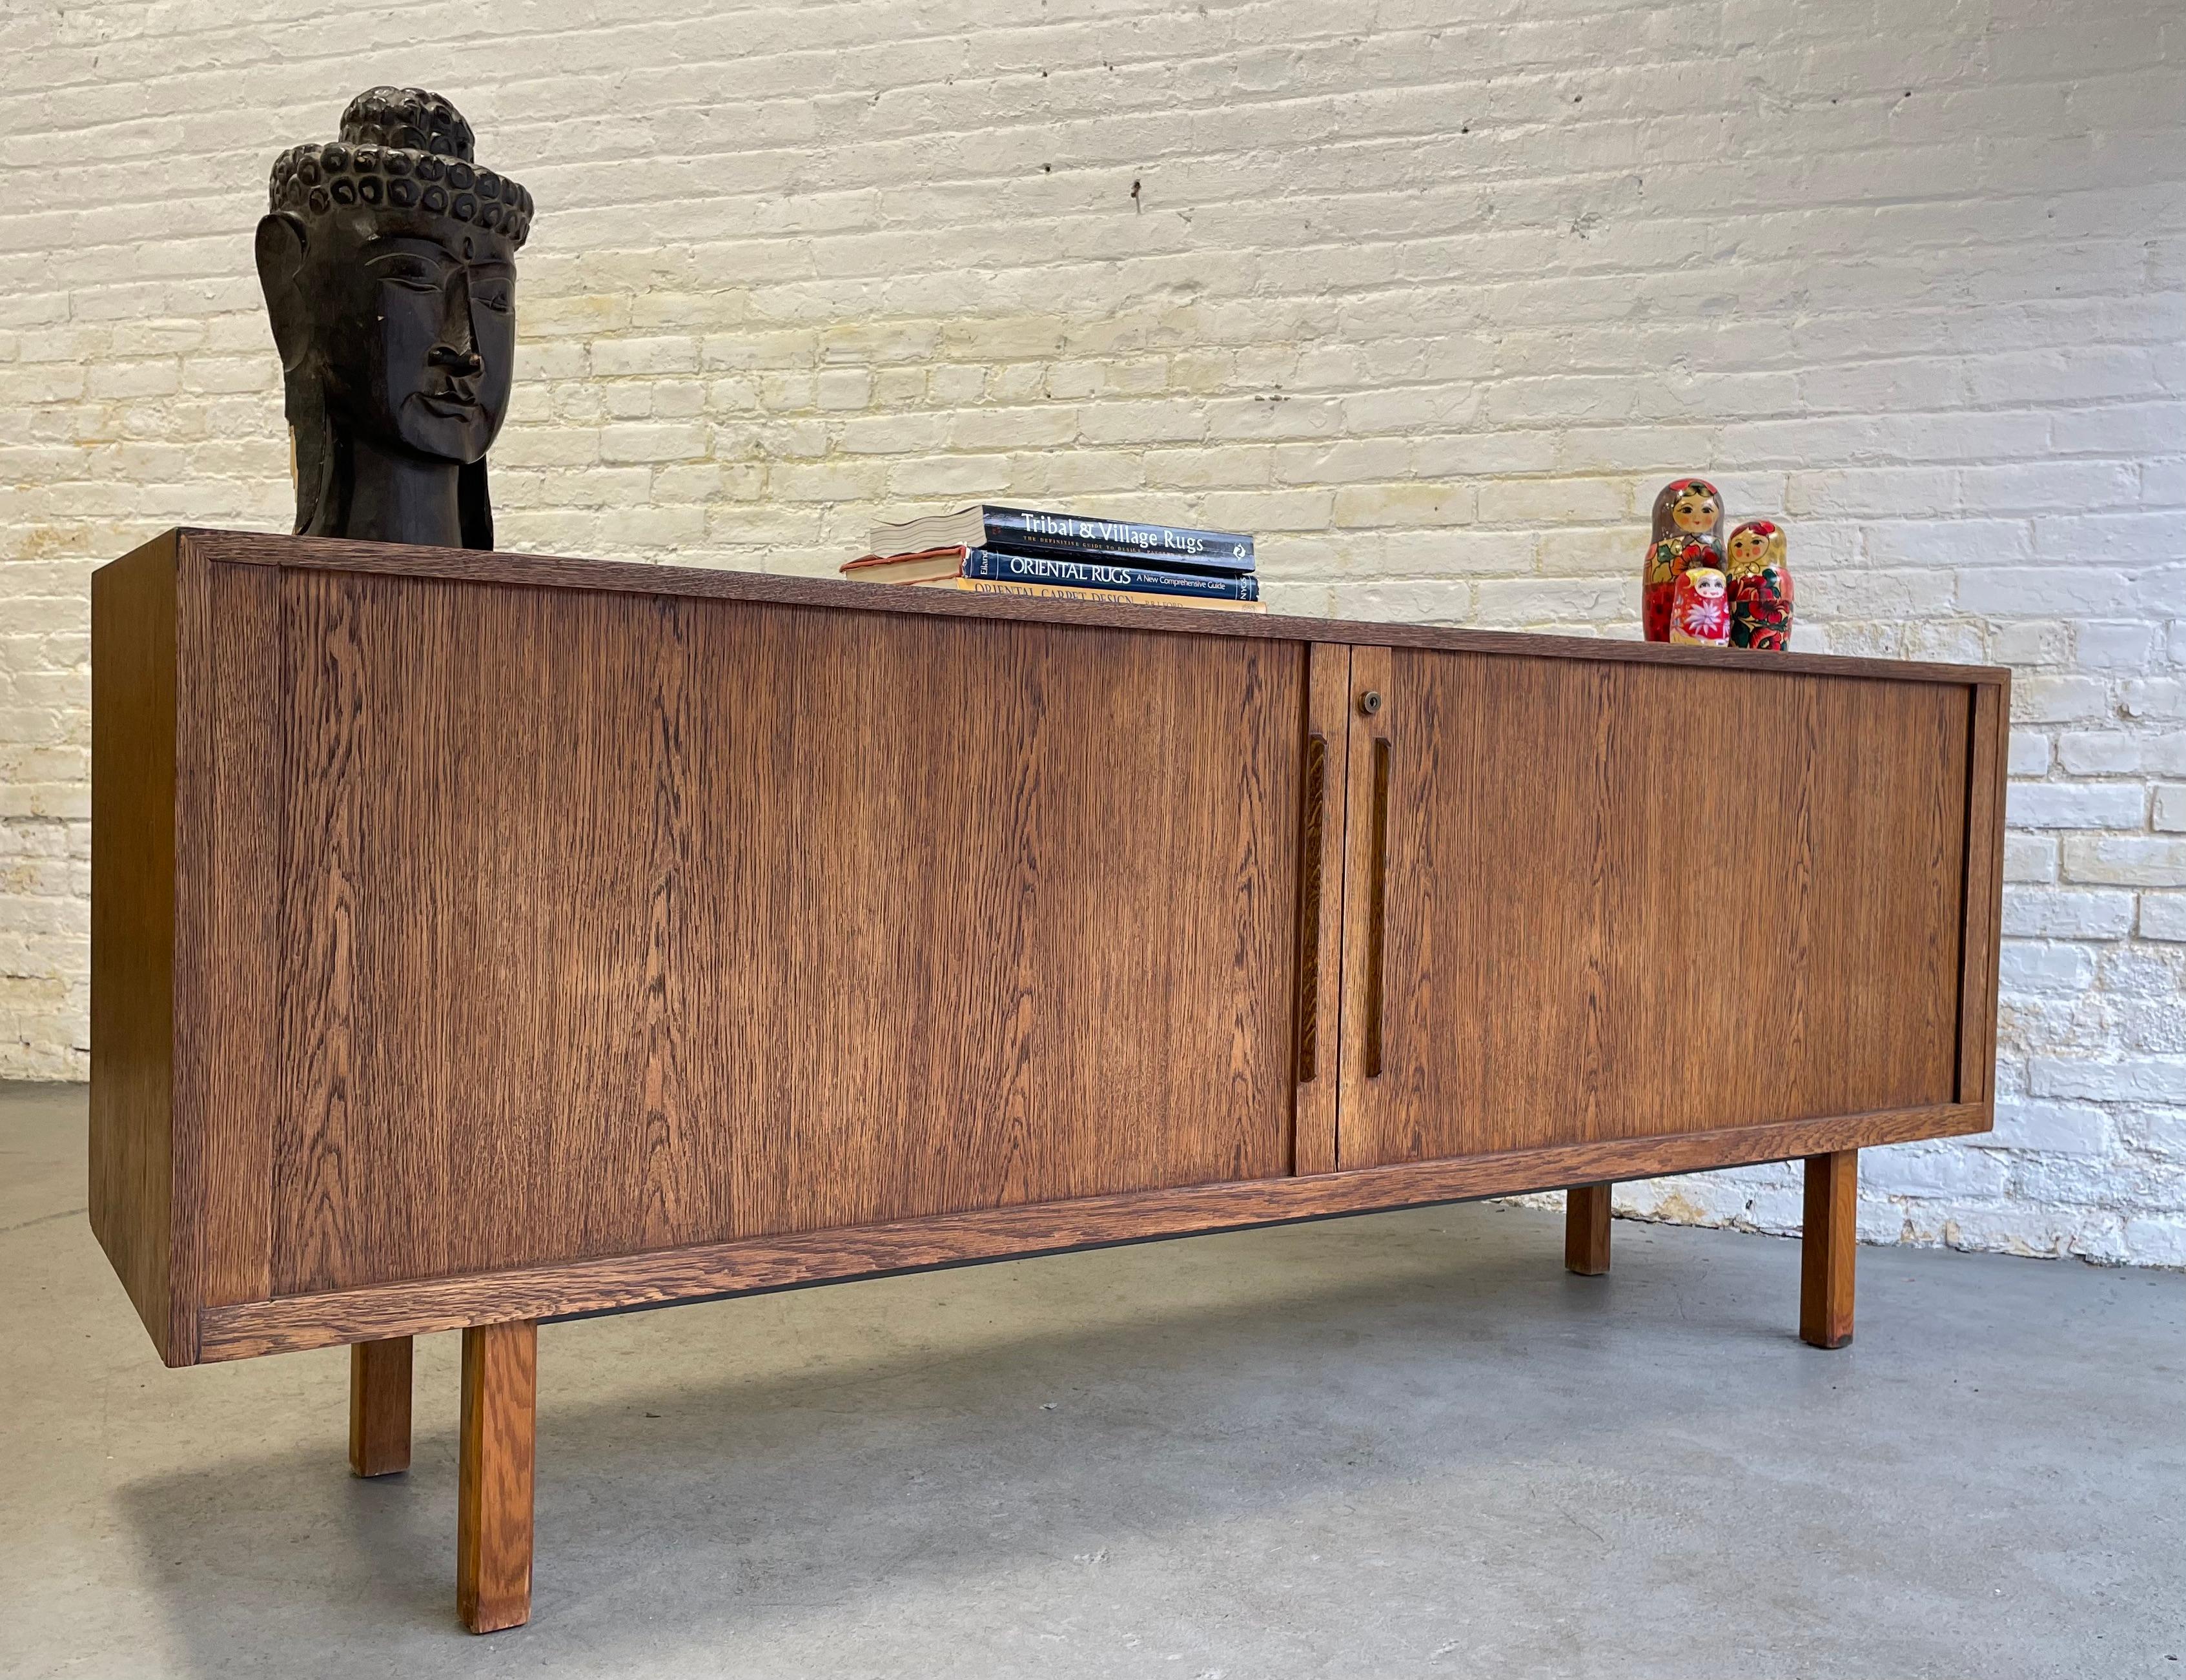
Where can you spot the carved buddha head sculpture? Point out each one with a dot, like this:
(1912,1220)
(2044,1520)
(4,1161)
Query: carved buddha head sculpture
(388,260)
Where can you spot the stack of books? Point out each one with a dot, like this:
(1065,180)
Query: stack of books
(1014,550)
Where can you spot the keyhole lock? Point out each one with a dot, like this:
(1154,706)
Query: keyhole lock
(1370,701)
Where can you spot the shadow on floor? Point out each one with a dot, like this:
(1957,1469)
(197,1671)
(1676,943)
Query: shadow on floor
(744,1500)
(1408,1444)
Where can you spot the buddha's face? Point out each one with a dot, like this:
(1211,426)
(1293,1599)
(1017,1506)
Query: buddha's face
(415,320)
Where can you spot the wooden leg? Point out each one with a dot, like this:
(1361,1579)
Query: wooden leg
(493,1504)
(1826,1249)
(379,1406)
(1586,1229)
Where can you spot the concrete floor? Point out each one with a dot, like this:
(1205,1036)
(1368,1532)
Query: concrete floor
(1402,1445)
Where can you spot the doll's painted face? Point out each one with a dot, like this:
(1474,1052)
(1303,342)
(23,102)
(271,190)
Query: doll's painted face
(1748,547)
(1707,583)
(1696,509)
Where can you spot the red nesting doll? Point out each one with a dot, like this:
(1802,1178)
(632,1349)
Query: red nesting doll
(1701,611)
(1687,533)
(1760,586)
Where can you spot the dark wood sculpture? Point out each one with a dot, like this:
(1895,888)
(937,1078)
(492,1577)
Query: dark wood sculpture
(389,261)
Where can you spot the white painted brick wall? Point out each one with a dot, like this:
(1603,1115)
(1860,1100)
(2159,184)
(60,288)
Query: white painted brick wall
(1432,293)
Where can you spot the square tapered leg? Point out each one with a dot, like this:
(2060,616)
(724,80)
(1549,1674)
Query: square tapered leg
(1827,1248)
(493,1518)
(379,1406)
(1586,1229)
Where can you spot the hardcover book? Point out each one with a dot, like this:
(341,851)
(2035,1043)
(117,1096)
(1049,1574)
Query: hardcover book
(1018,530)
(987,565)
(1047,592)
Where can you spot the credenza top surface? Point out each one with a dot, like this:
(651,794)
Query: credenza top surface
(256,548)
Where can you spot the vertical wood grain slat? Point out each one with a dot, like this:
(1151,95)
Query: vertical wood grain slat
(493,903)
(1327,703)
(1371,671)
(315,1191)
(1313,834)
(231,874)
(1828,1249)
(494,1476)
(678,1191)
(1377,977)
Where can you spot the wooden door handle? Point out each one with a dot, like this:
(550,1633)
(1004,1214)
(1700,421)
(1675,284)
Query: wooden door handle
(1377,904)
(1311,832)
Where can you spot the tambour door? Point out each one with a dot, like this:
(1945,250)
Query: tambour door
(616,921)
(1592,900)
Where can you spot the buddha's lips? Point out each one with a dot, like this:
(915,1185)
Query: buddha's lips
(452,406)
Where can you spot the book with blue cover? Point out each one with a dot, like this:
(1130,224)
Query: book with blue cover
(950,562)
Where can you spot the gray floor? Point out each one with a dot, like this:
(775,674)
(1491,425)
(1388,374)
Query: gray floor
(1402,1445)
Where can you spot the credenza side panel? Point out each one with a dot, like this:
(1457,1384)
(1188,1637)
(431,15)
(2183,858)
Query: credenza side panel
(616,922)
(1624,900)
(133,719)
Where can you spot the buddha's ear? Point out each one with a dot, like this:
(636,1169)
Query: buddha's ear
(281,241)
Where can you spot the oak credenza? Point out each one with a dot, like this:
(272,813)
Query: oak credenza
(478,939)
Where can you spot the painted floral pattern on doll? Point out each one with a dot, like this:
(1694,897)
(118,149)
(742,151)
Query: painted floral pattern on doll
(1701,610)
(1688,532)
(1760,586)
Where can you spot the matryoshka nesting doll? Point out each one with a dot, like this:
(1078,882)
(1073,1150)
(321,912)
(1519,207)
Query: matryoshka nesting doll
(1702,611)
(1687,533)
(1760,586)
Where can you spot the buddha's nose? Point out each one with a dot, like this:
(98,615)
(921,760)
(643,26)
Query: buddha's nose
(463,362)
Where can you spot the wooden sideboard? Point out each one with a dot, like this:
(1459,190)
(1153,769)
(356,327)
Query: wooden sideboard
(479,939)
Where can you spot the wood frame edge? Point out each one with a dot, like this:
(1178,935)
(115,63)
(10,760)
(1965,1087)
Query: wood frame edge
(194,631)
(1981,905)
(138,598)
(757,1265)
(265,548)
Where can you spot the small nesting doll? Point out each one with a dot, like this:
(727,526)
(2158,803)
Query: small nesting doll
(1687,533)
(1701,609)
(1760,586)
